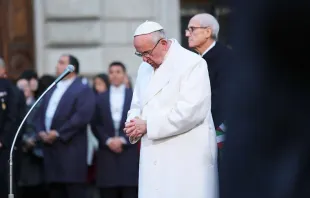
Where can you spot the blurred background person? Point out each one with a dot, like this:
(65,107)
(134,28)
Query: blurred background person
(9,114)
(32,77)
(101,83)
(12,110)
(202,32)
(31,179)
(2,69)
(31,162)
(44,82)
(19,98)
(28,84)
(118,160)
(62,126)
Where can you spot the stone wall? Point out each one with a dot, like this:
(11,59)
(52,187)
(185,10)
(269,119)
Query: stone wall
(96,31)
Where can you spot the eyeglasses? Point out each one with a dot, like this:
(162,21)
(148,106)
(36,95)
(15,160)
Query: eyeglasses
(192,29)
(149,52)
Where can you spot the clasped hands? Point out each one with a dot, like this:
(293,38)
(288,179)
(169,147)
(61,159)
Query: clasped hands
(49,137)
(115,144)
(135,128)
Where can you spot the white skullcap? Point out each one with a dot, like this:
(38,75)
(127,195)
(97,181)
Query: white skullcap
(148,27)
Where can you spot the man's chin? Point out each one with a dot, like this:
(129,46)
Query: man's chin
(151,63)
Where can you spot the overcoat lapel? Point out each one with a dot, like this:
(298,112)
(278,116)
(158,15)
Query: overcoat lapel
(62,105)
(163,74)
(109,110)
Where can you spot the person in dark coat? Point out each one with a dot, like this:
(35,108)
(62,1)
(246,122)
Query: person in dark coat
(12,109)
(101,83)
(31,179)
(8,116)
(117,159)
(62,126)
(202,33)
(32,77)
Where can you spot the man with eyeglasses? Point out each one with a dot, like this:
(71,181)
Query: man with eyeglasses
(171,113)
(202,33)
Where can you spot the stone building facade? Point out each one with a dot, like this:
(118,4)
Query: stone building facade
(96,31)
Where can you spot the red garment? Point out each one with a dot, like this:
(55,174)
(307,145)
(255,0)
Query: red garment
(139,145)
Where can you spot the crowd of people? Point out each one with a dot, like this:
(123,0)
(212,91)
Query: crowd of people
(54,155)
(34,169)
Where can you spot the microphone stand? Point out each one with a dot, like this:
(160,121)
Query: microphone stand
(11,195)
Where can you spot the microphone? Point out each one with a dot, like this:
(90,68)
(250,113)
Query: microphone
(69,69)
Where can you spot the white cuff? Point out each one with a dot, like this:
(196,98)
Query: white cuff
(124,141)
(108,141)
(134,140)
(132,113)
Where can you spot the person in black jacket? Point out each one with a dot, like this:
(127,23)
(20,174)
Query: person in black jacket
(117,159)
(31,173)
(202,33)
(11,112)
(8,116)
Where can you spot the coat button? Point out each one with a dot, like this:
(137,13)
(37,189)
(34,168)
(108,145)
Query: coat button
(155,162)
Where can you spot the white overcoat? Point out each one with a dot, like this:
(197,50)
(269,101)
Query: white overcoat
(178,157)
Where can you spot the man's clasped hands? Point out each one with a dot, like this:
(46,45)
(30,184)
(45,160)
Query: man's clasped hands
(135,128)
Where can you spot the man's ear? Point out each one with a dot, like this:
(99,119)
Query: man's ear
(208,32)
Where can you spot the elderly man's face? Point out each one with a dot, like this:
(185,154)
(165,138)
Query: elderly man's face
(196,34)
(152,53)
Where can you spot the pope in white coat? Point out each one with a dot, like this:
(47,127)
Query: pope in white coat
(171,113)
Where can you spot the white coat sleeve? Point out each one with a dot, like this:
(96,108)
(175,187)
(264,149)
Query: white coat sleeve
(135,107)
(135,110)
(190,109)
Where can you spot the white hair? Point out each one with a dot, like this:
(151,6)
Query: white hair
(2,63)
(207,20)
(156,36)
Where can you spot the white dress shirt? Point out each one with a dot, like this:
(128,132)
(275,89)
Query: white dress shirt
(117,99)
(61,88)
(208,49)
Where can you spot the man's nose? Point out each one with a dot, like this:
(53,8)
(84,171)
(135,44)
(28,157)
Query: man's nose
(187,34)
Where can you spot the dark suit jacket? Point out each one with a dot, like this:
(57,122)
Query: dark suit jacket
(65,160)
(9,112)
(31,164)
(114,169)
(218,59)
